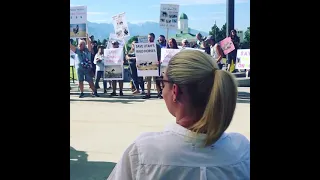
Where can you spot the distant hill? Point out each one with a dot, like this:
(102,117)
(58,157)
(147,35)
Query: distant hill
(102,30)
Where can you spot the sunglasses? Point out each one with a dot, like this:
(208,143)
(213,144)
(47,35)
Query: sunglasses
(162,81)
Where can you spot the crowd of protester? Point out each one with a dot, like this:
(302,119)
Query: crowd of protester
(91,67)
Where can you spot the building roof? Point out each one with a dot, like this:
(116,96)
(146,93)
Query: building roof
(179,37)
(183,16)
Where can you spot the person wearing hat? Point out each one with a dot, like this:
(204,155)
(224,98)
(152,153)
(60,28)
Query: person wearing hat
(215,51)
(205,46)
(99,62)
(115,44)
(185,43)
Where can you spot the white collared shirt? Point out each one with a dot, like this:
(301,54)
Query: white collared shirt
(176,154)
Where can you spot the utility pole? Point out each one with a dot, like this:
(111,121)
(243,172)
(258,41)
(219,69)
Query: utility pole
(230,18)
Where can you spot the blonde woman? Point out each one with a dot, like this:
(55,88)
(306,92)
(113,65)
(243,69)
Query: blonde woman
(202,98)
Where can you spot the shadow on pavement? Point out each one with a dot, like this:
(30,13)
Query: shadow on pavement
(82,169)
(243,97)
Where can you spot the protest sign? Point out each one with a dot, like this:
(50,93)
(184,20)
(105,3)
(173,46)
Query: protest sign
(120,25)
(78,22)
(113,64)
(243,59)
(142,39)
(169,16)
(227,45)
(147,59)
(113,37)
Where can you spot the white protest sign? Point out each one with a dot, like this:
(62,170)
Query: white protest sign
(147,59)
(113,37)
(120,25)
(142,39)
(169,16)
(113,62)
(78,21)
(243,59)
(194,49)
(167,54)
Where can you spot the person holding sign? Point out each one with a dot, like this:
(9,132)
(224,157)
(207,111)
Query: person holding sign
(137,81)
(162,41)
(202,98)
(215,51)
(115,44)
(98,61)
(84,70)
(151,37)
(232,56)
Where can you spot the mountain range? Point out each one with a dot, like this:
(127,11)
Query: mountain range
(102,30)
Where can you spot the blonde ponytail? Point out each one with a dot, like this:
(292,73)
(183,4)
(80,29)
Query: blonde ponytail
(220,107)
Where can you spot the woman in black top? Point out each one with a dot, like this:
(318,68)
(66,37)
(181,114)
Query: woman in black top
(172,44)
(131,58)
(232,56)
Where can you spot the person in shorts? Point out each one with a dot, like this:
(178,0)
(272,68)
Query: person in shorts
(156,79)
(84,70)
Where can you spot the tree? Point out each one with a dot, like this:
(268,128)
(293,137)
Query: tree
(247,35)
(246,43)
(214,31)
(223,32)
(219,34)
(128,44)
(104,42)
(98,42)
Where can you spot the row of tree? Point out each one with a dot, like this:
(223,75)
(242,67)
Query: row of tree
(220,34)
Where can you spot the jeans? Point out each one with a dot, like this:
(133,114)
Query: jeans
(98,76)
(134,75)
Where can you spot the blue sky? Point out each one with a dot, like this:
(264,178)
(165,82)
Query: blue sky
(202,14)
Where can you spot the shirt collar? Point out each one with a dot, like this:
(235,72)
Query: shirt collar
(198,138)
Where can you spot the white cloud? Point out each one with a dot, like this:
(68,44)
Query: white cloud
(97,13)
(199,2)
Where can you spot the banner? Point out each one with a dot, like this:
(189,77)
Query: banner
(142,39)
(194,49)
(78,22)
(166,55)
(113,37)
(227,45)
(113,64)
(147,59)
(243,59)
(169,16)
(120,25)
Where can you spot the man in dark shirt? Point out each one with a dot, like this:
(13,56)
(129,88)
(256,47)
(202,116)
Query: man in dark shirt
(151,38)
(94,51)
